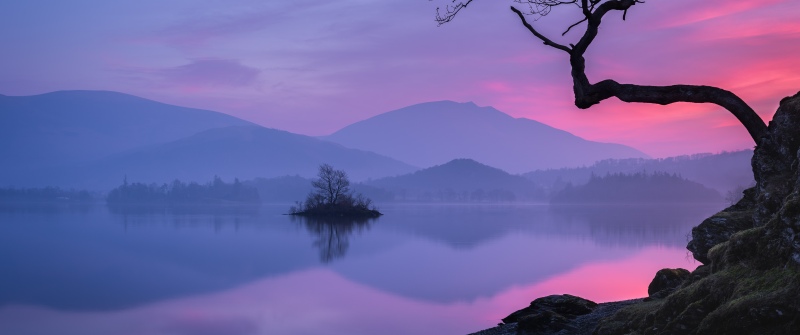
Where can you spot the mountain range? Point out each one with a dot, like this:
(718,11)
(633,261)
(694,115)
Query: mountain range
(434,133)
(67,127)
(723,172)
(94,139)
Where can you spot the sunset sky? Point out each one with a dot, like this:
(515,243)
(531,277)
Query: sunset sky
(312,67)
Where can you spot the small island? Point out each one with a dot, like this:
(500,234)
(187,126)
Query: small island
(332,197)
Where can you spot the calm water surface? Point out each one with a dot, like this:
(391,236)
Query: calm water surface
(419,269)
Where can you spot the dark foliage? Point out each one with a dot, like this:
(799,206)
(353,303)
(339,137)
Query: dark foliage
(658,187)
(45,194)
(178,192)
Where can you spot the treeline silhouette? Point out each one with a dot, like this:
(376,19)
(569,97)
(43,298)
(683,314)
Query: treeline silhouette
(44,194)
(461,180)
(657,187)
(723,171)
(178,192)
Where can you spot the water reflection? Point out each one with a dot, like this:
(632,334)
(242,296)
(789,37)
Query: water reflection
(433,257)
(39,208)
(181,216)
(631,225)
(213,209)
(332,235)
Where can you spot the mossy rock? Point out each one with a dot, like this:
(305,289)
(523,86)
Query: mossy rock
(634,319)
(736,300)
(718,229)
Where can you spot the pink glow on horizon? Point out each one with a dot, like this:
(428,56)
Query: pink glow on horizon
(313,68)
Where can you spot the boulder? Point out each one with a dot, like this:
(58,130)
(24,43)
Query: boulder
(666,281)
(550,314)
(721,226)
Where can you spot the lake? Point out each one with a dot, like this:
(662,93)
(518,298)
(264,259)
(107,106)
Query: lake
(419,269)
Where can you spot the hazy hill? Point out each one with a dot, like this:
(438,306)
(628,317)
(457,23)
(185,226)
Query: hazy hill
(722,172)
(245,152)
(460,180)
(283,189)
(436,132)
(67,127)
(655,188)
(92,139)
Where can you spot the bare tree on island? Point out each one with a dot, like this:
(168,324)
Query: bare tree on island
(332,197)
(588,94)
(331,184)
(749,279)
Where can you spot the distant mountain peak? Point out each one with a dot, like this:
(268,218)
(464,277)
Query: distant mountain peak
(429,133)
(465,163)
(93,138)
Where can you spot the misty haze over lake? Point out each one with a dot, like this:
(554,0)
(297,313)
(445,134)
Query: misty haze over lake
(250,270)
(112,221)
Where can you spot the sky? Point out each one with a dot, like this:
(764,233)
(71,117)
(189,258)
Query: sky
(313,67)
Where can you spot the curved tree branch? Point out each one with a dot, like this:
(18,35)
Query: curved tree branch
(587,94)
(665,95)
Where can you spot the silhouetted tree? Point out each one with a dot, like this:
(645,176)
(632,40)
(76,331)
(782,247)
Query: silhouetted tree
(332,197)
(331,184)
(588,94)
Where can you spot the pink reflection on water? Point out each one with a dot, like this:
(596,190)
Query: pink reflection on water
(600,281)
(320,301)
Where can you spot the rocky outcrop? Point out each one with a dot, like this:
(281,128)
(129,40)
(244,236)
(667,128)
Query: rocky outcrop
(750,280)
(550,314)
(719,227)
(564,305)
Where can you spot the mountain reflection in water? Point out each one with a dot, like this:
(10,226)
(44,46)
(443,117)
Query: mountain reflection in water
(90,265)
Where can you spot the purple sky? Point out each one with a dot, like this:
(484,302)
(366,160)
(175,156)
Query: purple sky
(312,67)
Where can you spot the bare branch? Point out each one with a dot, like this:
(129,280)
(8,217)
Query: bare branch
(587,94)
(665,95)
(574,25)
(544,39)
(450,11)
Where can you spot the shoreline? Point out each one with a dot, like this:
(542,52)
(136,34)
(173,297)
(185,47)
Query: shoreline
(579,325)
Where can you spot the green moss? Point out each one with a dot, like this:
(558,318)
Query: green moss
(716,252)
(739,299)
(631,319)
(760,302)
(791,206)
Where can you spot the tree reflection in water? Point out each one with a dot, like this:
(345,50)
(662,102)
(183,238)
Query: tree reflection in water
(332,235)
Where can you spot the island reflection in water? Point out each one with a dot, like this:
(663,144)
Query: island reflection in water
(332,234)
(418,269)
